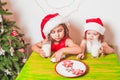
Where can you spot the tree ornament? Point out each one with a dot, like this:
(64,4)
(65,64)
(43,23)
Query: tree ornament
(1,25)
(12,51)
(24,60)
(7,72)
(21,50)
(14,33)
(1,19)
(2,52)
(2,29)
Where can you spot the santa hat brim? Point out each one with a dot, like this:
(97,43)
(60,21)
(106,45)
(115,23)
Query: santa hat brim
(94,26)
(51,24)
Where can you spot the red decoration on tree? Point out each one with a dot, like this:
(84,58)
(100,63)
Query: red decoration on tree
(14,33)
(21,50)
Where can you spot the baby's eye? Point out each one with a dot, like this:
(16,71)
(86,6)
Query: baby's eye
(88,33)
(95,34)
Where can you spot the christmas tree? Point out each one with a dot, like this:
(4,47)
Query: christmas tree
(12,47)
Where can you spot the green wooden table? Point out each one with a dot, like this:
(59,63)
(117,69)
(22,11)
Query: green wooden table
(103,68)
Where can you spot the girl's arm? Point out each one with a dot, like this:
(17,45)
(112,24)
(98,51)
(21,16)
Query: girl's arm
(71,48)
(37,48)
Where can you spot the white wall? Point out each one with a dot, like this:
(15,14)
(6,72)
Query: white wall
(30,13)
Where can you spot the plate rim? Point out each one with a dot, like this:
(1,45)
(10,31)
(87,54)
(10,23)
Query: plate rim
(71,76)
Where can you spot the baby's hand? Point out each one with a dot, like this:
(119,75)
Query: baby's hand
(81,56)
(101,50)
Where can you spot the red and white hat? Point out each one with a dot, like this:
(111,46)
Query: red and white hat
(49,22)
(94,24)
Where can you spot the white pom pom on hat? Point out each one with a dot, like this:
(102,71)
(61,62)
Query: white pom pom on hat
(49,22)
(94,24)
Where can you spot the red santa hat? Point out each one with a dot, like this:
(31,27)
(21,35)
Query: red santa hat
(49,22)
(94,24)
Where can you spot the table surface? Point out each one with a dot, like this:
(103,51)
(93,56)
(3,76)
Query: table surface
(102,68)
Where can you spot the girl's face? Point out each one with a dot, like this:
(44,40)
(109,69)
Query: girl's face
(57,33)
(92,35)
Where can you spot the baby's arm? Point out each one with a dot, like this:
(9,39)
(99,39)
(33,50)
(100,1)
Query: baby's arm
(83,47)
(106,48)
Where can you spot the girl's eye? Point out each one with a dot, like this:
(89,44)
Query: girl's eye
(52,32)
(60,30)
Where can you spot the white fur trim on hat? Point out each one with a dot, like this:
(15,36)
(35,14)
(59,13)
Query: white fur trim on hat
(94,26)
(52,23)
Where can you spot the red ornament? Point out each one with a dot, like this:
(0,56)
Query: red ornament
(14,33)
(21,50)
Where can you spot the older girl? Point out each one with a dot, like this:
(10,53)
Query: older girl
(55,30)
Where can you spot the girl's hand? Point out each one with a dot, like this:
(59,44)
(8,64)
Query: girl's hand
(42,53)
(81,56)
(58,55)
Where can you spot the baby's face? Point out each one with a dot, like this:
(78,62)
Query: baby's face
(92,35)
(57,33)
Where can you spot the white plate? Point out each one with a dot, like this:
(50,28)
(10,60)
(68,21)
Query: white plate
(69,69)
